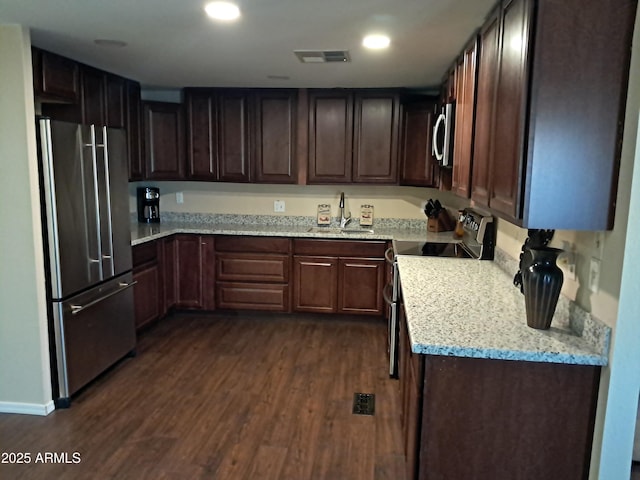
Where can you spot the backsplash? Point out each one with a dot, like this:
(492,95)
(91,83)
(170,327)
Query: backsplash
(298,220)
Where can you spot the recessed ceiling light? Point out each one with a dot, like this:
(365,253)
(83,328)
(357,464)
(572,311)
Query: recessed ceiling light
(376,42)
(225,11)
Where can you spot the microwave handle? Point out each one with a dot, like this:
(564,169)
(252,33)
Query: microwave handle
(434,140)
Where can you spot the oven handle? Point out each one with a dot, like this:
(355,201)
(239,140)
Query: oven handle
(389,255)
(387,294)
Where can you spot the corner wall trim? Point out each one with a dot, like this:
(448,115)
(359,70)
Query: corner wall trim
(27,408)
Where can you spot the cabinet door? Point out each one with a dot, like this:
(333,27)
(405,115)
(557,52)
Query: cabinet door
(511,96)
(274,137)
(195,271)
(233,137)
(418,162)
(330,137)
(164,141)
(465,105)
(377,118)
(56,77)
(169,263)
(315,284)
(487,73)
(202,137)
(145,293)
(207,249)
(94,109)
(360,285)
(133,126)
(411,375)
(116,93)
(189,267)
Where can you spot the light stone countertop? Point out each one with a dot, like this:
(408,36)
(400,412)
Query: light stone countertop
(466,308)
(141,233)
(470,308)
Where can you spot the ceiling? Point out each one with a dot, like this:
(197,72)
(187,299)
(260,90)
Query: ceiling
(172,43)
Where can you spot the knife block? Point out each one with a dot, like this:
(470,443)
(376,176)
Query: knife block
(442,223)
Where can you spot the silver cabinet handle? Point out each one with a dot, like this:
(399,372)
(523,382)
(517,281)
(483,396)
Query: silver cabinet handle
(75,309)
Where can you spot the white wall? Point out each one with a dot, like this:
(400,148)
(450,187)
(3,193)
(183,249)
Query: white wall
(300,200)
(624,369)
(25,384)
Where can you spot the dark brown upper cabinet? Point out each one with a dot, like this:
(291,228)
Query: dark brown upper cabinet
(330,136)
(101,99)
(418,165)
(353,137)
(377,120)
(134,131)
(233,137)
(488,58)
(555,99)
(218,135)
(164,140)
(55,78)
(465,102)
(274,138)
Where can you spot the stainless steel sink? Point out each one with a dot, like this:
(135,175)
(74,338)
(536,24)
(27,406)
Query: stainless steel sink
(340,231)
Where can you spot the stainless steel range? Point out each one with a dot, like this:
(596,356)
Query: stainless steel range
(477,242)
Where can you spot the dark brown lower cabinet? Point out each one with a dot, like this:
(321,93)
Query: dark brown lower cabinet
(194,272)
(338,276)
(315,284)
(147,292)
(252,273)
(498,419)
(360,283)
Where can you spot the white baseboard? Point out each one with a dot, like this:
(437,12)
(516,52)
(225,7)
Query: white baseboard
(27,408)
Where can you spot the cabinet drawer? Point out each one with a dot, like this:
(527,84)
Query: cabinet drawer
(252,244)
(252,296)
(340,248)
(144,253)
(249,267)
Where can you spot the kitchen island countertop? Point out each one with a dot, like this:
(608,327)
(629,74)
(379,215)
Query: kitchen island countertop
(470,308)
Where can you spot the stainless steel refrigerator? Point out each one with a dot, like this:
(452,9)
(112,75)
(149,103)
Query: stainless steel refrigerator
(85,204)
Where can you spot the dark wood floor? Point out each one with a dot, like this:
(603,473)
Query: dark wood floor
(227,397)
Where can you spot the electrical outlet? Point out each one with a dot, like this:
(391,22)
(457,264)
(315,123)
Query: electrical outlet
(567,262)
(278,206)
(594,275)
(179,197)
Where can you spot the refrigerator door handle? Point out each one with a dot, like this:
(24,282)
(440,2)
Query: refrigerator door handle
(96,199)
(75,309)
(107,190)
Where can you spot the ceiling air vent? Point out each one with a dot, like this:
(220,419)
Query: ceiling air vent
(322,56)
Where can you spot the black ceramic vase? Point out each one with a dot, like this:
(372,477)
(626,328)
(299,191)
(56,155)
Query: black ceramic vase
(542,282)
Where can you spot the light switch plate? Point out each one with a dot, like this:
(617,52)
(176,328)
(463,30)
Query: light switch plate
(179,197)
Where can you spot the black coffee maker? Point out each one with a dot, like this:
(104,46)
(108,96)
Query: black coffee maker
(148,204)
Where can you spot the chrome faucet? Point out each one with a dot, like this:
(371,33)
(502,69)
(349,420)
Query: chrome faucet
(343,220)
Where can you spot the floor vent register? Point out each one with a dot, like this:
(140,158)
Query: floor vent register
(364,403)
